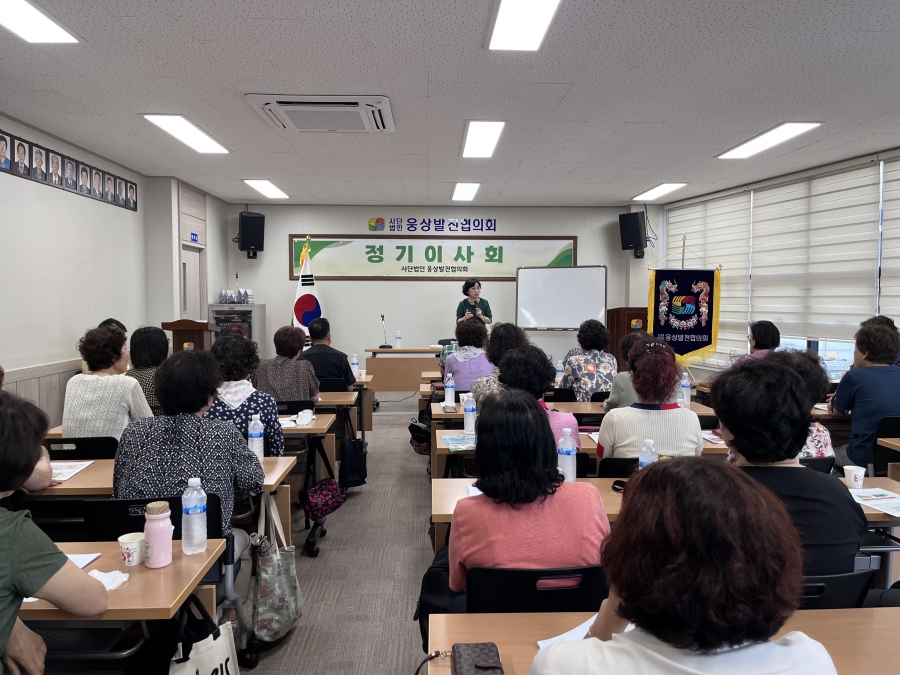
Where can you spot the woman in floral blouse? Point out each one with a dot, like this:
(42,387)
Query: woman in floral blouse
(504,338)
(589,369)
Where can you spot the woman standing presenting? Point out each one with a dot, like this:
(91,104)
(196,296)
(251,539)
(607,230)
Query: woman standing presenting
(474,304)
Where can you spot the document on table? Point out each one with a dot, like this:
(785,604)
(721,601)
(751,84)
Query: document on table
(594,436)
(712,438)
(821,406)
(459,443)
(880,500)
(472,491)
(80,559)
(65,470)
(575,634)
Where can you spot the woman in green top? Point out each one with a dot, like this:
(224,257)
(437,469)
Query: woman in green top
(474,304)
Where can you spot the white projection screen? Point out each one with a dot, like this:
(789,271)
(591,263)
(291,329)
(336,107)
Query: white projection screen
(560,298)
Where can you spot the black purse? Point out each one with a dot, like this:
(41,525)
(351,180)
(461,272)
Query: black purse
(353,458)
(475,658)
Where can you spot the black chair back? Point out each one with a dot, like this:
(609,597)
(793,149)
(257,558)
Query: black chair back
(490,589)
(836,591)
(563,395)
(616,467)
(581,464)
(332,384)
(294,407)
(446,341)
(878,456)
(599,396)
(708,421)
(96,447)
(820,464)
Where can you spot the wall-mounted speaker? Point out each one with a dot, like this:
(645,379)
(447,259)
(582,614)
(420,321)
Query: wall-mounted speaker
(633,231)
(251,231)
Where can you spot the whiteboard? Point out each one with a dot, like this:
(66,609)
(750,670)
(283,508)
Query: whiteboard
(560,298)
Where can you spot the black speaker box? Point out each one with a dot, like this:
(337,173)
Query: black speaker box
(633,231)
(251,231)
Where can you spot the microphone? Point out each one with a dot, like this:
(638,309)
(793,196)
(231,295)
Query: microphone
(384,335)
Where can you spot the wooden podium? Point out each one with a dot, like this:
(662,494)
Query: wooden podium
(618,321)
(185,330)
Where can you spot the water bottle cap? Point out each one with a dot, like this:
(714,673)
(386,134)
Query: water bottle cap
(255,417)
(193,482)
(567,431)
(648,441)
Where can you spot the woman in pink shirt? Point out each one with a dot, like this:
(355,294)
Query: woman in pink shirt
(527,517)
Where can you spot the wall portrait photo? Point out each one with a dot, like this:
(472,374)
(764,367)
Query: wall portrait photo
(5,153)
(70,179)
(132,197)
(120,192)
(21,161)
(109,188)
(55,169)
(38,164)
(84,180)
(97,184)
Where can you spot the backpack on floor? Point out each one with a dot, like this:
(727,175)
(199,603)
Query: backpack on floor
(420,432)
(435,596)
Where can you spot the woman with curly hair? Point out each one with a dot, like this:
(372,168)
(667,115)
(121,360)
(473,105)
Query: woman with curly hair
(470,362)
(238,401)
(588,369)
(103,401)
(675,430)
(504,338)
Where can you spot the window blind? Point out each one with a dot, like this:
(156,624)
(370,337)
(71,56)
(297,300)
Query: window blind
(815,254)
(890,265)
(719,230)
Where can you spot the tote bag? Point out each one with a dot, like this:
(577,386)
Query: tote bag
(214,654)
(353,459)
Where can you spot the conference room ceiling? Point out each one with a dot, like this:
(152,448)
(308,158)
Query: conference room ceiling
(623,95)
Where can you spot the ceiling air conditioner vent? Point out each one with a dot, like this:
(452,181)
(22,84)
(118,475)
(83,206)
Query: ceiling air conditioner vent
(358,114)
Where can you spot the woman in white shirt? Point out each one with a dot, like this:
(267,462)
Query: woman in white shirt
(104,401)
(705,562)
(675,431)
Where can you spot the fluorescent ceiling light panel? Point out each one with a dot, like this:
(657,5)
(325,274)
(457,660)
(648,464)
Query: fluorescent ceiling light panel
(18,17)
(780,134)
(481,138)
(465,192)
(266,188)
(186,132)
(522,24)
(658,191)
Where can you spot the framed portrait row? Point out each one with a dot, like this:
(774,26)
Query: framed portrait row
(34,162)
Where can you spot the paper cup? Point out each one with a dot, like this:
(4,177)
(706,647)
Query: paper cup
(304,417)
(853,476)
(132,548)
(362,373)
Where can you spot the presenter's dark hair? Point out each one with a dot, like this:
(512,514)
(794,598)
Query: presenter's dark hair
(101,347)
(630,341)
(504,338)
(765,335)
(808,366)
(319,328)
(880,344)
(116,323)
(515,455)
(703,556)
(593,335)
(468,284)
(289,341)
(149,347)
(766,406)
(238,357)
(185,382)
(654,371)
(22,429)
(527,369)
(471,333)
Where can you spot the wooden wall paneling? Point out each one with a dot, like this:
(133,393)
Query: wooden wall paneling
(30,389)
(189,224)
(191,202)
(51,398)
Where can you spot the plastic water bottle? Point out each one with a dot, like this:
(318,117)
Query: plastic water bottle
(354,366)
(559,370)
(255,432)
(565,457)
(397,340)
(193,518)
(685,391)
(449,391)
(648,454)
(469,414)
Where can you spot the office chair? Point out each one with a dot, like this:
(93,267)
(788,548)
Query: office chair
(836,591)
(495,590)
(75,449)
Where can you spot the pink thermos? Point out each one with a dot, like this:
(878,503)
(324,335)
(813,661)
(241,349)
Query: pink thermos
(158,536)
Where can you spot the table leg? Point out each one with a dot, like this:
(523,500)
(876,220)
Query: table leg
(282,497)
(441,533)
(206,594)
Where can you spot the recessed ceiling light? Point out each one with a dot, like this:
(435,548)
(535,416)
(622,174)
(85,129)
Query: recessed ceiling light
(658,191)
(780,134)
(465,192)
(481,138)
(18,17)
(266,188)
(187,133)
(522,24)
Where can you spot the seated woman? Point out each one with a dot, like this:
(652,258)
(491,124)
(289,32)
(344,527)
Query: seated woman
(238,401)
(103,401)
(622,393)
(284,378)
(674,430)
(527,517)
(737,579)
(470,362)
(764,339)
(589,369)
(764,413)
(149,348)
(33,566)
(156,456)
(529,369)
(504,338)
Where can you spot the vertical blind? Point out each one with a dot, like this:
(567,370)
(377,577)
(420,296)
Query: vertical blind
(890,266)
(719,230)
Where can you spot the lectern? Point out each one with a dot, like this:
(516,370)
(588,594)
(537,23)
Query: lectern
(185,330)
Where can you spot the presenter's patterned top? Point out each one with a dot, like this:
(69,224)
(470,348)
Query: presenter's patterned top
(145,377)
(157,456)
(287,379)
(588,372)
(102,405)
(240,410)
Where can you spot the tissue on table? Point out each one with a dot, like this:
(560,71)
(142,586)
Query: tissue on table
(111,580)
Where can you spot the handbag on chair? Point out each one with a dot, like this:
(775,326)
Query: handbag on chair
(353,458)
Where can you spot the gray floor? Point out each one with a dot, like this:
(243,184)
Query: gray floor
(361,591)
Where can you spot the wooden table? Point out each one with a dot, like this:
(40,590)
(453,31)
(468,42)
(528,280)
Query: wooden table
(148,594)
(858,640)
(892,443)
(430,375)
(576,408)
(400,369)
(341,401)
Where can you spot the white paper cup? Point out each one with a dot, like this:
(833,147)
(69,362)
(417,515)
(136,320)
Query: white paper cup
(362,373)
(853,476)
(132,548)
(304,417)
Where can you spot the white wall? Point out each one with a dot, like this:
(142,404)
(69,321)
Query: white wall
(162,250)
(424,311)
(66,261)
(217,247)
